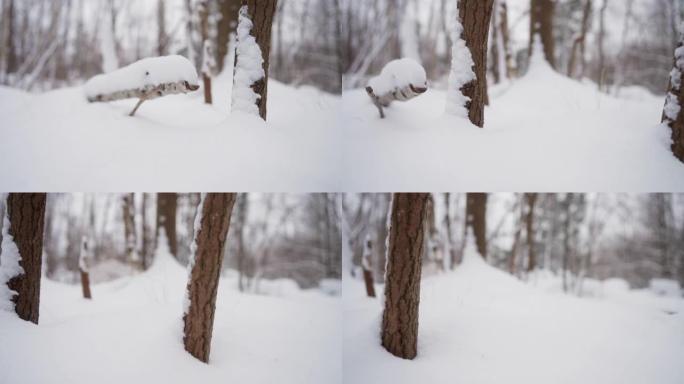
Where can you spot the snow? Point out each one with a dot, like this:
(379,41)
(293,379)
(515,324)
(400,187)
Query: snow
(481,325)
(665,287)
(151,71)
(174,143)
(461,73)
(129,334)
(398,74)
(542,132)
(249,66)
(197,225)
(9,266)
(83,255)
(110,60)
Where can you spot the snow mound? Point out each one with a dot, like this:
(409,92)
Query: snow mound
(398,74)
(146,72)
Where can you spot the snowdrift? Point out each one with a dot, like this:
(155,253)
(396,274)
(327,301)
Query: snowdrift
(481,325)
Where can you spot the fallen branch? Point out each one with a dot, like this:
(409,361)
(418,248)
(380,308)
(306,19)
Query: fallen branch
(403,94)
(399,80)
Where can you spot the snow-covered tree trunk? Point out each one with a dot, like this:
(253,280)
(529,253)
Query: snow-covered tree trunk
(673,116)
(253,46)
(541,23)
(21,257)
(468,77)
(402,279)
(83,261)
(476,218)
(110,59)
(166,219)
(367,265)
(211,227)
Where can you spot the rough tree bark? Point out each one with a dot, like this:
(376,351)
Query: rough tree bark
(128,214)
(541,23)
(476,217)
(530,199)
(210,239)
(261,13)
(402,280)
(26,213)
(166,218)
(673,113)
(579,43)
(367,265)
(475,16)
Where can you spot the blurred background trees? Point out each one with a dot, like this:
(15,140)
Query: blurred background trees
(578,237)
(271,236)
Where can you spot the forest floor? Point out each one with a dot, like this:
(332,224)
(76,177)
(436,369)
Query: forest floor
(543,132)
(58,141)
(481,325)
(131,332)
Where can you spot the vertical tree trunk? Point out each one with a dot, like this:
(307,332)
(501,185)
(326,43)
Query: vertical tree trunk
(476,217)
(166,219)
(579,44)
(207,51)
(128,208)
(516,241)
(673,114)
(12,61)
(145,244)
(226,28)
(213,217)
(531,199)
(367,265)
(161,28)
(26,214)
(451,252)
(541,23)
(240,219)
(601,53)
(261,14)
(190,32)
(83,268)
(402,279)
(475,15)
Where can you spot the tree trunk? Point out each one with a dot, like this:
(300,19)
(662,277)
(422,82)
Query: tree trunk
(26,214)
(128,208)
(226,28)
(161,28)
(601,53)
(261,13)
(166,219)
(531,199)
(205,270)
(367,265)
(476,217)
(207,51)
(83,268)
(541,23)
(516,241)
(673,113)
(241,215)
(475,16)
(12,60)
(402,279)
(579,44)
(145,251)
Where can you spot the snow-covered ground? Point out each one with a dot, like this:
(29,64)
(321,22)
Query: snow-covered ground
(131,332)
(57,141)
(543,132)
(481,325)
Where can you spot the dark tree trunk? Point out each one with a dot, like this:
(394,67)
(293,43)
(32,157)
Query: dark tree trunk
(475,15)
(516,241)
(166,218)
(241,214)
(367,265)
(261,13)
(161,28)
(12,62)
(26,213)
(676,122)
(203,8)
(82,267)
(210,240)
(128,207)
(226,28)
(402,279)
(144,252)
(531,199)
(541,23)
(476,218)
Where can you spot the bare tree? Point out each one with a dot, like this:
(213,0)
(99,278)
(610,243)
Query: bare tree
(541,23)
(166,219)
(402,281)
(212,223)
(367,265)
(83,260)
(208,58)
(226,28)
(531,199)
(476,218)
(26,216)
(128,215)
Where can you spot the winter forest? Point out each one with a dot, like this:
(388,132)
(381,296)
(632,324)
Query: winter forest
(397,191)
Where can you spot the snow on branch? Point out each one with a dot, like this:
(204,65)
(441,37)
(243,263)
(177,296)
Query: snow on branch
(461,73)
(248,66)
(399,80)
